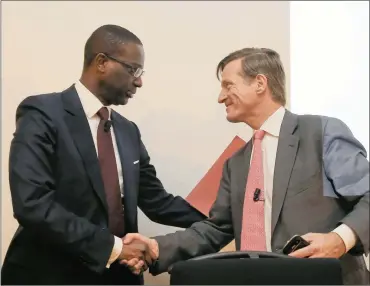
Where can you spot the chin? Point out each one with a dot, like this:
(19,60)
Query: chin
(124,102)
(121,100)
(231,117)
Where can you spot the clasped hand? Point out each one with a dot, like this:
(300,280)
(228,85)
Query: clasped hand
(138,252)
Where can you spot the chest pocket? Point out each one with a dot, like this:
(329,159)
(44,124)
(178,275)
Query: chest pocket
(306,183)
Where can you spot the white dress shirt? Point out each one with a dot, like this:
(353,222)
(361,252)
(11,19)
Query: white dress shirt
(269,149)
(272,125)
(91,105)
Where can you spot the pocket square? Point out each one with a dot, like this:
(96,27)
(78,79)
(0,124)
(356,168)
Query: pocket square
(136,162)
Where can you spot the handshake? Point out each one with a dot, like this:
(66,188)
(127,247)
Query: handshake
(138,252)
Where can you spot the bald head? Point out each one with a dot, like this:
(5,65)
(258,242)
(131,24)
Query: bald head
(107,39)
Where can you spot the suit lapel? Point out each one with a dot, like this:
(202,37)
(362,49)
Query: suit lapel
(79,129)
(125,147)
(285,158)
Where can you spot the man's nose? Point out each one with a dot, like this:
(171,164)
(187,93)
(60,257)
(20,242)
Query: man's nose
(138,82)
(221,97)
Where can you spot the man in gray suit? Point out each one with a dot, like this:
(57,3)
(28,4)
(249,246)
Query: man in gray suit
(299,174)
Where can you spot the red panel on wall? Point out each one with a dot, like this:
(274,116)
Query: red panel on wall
(204,194)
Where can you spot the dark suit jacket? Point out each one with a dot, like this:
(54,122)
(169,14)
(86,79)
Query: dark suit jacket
(58,196)
(321,179)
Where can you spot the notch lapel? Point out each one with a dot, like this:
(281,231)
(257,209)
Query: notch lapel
(79,129)
(125,147)
(285,158)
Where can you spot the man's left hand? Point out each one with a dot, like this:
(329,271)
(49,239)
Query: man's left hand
(322,245)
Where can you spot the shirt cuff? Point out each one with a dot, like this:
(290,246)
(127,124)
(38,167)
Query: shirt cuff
(347,234)
(116,251)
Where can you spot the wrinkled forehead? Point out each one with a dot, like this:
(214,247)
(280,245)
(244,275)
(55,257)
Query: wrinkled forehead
(132,53)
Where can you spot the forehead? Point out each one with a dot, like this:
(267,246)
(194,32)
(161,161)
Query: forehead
(232,71)
(132,53)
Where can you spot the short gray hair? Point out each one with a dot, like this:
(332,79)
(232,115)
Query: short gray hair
(260,61)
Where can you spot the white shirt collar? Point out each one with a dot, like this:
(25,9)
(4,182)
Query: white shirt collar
(273,124)
(90,103)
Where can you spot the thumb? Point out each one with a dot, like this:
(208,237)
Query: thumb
(154,249)
(130,237)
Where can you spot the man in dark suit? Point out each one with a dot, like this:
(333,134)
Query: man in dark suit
(299,174)
(78,171)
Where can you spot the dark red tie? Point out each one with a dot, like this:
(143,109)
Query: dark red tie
(108,167)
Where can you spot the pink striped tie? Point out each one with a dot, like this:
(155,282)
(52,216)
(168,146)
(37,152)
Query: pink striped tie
(253,222)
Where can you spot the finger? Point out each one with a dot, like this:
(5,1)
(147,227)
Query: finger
(317,255)
(153,255)
(138,268)
(140,255)
(130,237)
(138,272)
(303,252)
(138,265)
(309,237)
(123,261)
(139,245)
(132,262)
(148,258)
(153,249)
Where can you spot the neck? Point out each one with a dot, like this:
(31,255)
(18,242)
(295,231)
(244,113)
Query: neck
(92,86)
(261,113)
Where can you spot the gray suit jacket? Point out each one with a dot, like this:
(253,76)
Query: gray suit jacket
(321,180)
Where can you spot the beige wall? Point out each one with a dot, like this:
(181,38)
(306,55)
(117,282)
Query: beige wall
(182,125)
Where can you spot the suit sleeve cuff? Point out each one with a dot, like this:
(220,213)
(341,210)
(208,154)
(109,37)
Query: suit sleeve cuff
(347,234)
(116,251)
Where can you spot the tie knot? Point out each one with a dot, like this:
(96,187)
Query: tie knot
(259,134)
(103,113)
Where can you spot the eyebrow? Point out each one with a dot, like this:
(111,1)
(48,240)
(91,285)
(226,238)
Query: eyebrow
(136,65)
(226,82)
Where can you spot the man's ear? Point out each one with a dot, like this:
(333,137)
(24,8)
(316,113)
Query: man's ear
(101,62)
(261,83)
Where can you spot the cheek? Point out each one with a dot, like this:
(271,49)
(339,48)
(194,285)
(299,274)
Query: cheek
(238,101)
(247,97)
(119,80)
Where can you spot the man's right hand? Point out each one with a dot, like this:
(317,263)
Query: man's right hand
(136,249)
(134,255)
(150,252)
